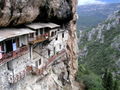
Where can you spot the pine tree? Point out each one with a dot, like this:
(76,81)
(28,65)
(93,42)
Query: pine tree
(105,78)
(108,82)
(116,86)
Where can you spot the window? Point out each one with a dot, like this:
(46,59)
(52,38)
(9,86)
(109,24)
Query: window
(57,38)
(31,35)
(45,30)
(39,61)
(41,31)
(23,40)
(54,51)
(62,35)
(48,52)
(58,29)
(60,46)
(9,46)
(52,34)
(36,33)
(9,66)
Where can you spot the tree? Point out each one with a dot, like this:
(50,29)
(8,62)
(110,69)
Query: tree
(116,86)
(108,81)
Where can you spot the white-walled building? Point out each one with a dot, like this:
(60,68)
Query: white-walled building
(30,50)
(14,54)
(44,49)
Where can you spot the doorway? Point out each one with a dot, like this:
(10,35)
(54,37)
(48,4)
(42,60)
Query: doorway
(9,46)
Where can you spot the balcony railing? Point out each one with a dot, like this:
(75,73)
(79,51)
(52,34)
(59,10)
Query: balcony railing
(38,39)
(61,56)
(13,54)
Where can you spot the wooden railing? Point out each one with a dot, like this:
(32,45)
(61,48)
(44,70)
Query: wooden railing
(13,54)
(38,39)
(61,56)
(58,56)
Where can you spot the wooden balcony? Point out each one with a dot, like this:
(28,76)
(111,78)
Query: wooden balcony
(39,39)
(13,54)
(61,56)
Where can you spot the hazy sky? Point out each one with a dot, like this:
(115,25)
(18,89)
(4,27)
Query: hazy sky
(84,2)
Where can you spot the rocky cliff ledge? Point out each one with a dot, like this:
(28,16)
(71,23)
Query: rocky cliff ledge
(13,12)
(63,12)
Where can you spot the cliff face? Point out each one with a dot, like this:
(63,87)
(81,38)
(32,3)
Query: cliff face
(13,12)
(63,12)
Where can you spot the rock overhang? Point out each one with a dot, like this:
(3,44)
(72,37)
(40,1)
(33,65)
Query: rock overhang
(15,12)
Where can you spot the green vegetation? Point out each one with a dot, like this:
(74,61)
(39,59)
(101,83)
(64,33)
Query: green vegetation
(99,58)
(108,81)
(91,80)
(94,81)
(102,55)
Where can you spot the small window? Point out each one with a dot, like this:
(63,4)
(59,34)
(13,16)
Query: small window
(48,52)
(31,35)
(9,66)
(9,46)
(56,38)
(62,35)
(41,31)
(13,40)
(36,33)
(52,34)
(39,61)
(54,51)
(45,31)
(60,46)
(2,46)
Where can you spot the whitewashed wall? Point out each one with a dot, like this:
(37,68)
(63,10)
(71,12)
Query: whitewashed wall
(23,40)
(20,63)
(3,77)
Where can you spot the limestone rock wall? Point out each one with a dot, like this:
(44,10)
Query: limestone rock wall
(13,12)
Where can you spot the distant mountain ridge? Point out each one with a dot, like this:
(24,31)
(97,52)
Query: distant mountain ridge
(91,15)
